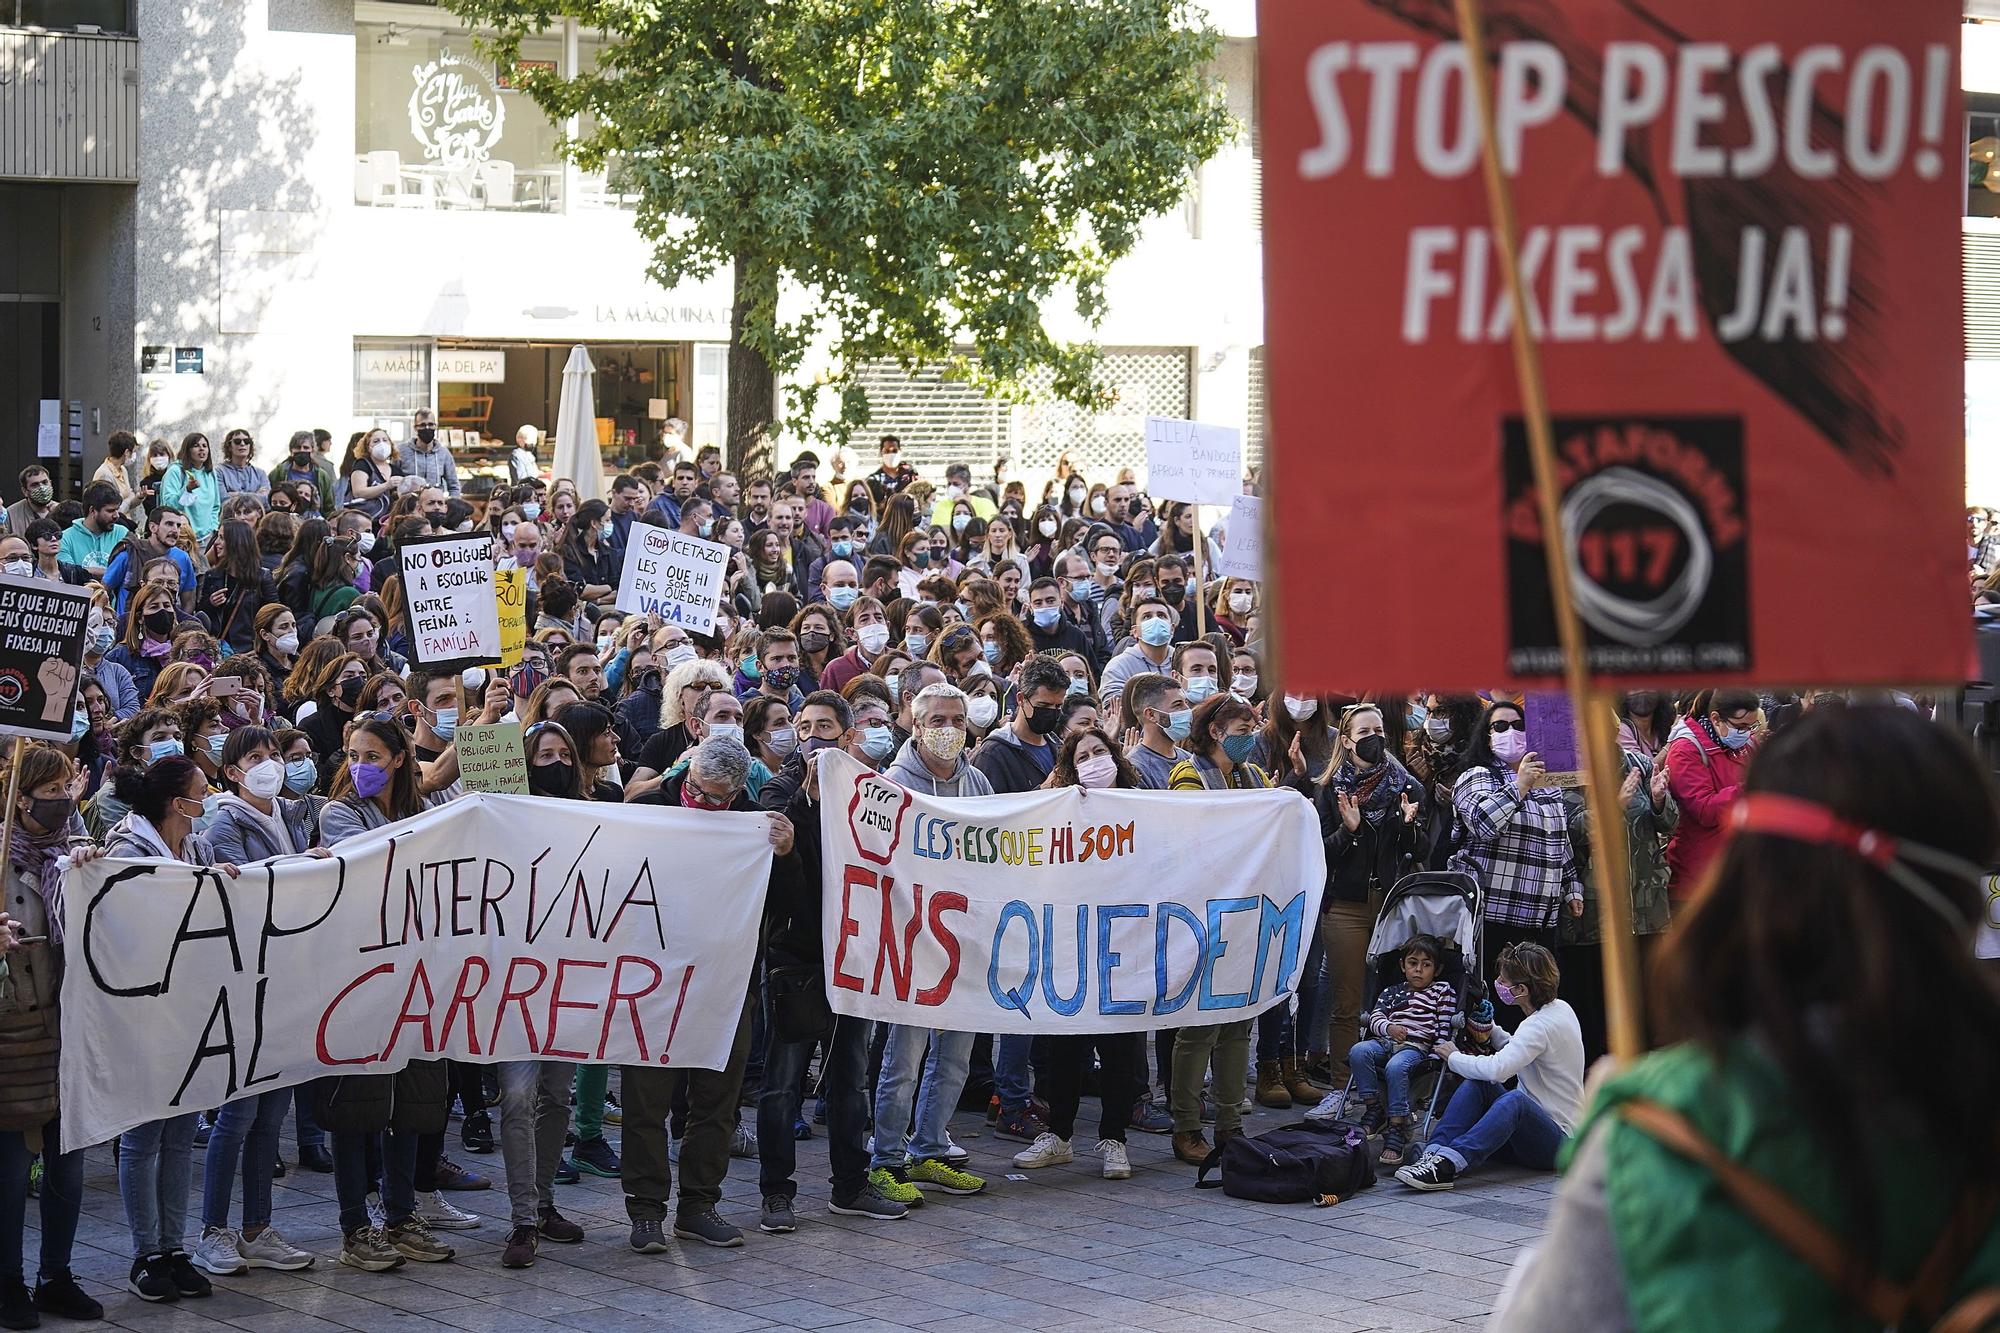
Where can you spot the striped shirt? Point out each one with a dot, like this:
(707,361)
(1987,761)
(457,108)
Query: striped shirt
(1518,846)
(1426,1013)
(1198,772)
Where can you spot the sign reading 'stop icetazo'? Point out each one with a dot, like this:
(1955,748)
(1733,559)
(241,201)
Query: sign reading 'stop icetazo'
(672,575)
(1065,910)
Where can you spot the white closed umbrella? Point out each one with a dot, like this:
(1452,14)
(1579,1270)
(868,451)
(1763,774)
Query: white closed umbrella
(577,456)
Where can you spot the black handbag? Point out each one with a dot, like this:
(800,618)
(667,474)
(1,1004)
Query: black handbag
(797,990)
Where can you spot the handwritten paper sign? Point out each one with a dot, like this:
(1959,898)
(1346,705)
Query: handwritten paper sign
(448,584)
(42,626)
(492,758)
(1243,555)
(1194,461)
(510,591)
(676,575)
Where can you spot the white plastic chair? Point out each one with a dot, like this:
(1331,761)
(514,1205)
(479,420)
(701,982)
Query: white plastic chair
(496,179)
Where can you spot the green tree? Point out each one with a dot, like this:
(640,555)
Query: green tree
(928,172)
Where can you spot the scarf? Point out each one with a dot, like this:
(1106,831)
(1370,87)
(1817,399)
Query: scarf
(152,647)
(1378,788)
(37,855)
(1708,729)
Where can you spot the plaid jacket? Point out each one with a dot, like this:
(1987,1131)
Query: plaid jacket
(1518,847)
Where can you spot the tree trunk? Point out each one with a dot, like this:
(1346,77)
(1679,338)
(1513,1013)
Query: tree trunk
(752,386)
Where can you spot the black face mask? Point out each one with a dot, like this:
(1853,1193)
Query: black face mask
(551,779)
(349,691)
(1172,593)
(51,813)
(426,434)
(302,460)
(1045,719)
(159,624)
(1371,749)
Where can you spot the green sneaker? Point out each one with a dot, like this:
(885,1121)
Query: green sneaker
(893,1183)
(944,1176)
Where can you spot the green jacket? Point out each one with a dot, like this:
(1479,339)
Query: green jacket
(1690,1259)
(322,482)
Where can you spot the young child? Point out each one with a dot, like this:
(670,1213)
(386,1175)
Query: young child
(1408,1019)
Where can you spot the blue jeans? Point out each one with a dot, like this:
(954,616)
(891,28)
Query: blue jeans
(154,1166)
(843,1084)
(62,1202)
(943,1079)
(352,1181)
(1010,1070)
(1486,1120)
(310,1135)
(1274,1032)
(1370,1060)
(247,1130)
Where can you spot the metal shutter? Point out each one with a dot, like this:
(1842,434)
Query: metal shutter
(1982,295)
(939,421)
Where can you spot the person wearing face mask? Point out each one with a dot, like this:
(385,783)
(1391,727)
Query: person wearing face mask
(151,620)
(425,457)
(366,481)
(1038,541)
(116,681)
(276,634)
(1049,629)
(1706,759)
(163,802)
(821,642)
(1516,836)
(1151,650)
(777,668)
(591,557)
(252,821)
(1645,722)
(1196,665)
(841,545)
(301,465)
(38,498)
(147,737)
(45,828)
(336,695)
(1235,602)
(1158,706)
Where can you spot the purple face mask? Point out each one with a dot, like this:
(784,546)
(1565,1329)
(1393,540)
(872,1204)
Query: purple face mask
(369,780)
(1506,994)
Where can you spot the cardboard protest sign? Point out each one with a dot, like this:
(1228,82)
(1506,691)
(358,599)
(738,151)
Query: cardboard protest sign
(1243,553)
(493,928)
(1739,237)
(510,595)
(1062,911)
(1552,737)
(678,576)
(1193,461)
(491,758)
(448,586)
(42,626)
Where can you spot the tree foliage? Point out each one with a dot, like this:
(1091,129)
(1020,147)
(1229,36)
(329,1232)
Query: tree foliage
(929,172)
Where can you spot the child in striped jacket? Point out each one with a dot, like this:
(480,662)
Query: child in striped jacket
(1408,1019)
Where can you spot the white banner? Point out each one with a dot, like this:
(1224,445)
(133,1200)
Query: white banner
(1193,461)
(448,587)
(1066,910)
(1243,553)
(674,574)
(491,928)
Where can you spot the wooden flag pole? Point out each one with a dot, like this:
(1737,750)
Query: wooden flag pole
(1200,575)
(1603,766)
(13,795)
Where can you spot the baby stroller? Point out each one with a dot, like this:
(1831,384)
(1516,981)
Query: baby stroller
(1444,904)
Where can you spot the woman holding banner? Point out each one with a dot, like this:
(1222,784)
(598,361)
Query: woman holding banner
(376,786)
(163,801)
(44,822)
(252,822)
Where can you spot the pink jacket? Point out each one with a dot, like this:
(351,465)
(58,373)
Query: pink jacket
(1706,779)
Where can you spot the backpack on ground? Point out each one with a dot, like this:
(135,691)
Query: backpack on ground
(1324,1163)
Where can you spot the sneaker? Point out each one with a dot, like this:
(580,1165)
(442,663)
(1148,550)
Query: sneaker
(216,1253)
(567,1172)
(942,1175)
(1433,1173)
(1329,1107)
(801,1131)
(869,1202)
(452,1176)
(893,1184)
(152,1280)
(476,1134)
(188,1280)
(646,1236)
(1191,1147)
(743,1142)
(270,1250)
(596,1156)
(614,1114)
(62,1297)
(1117,1164)
(413,1240)
(521,1245)
(440,1214)
(776,1216)
(952,1152)
(368,1249)
(1149,1117)
(316,1158)
(1023,1126)
(707,1227)
(204,1125)
(554,1226)
(1048,1149)
(17,1305)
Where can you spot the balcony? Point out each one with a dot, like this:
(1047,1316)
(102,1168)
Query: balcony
(69,106)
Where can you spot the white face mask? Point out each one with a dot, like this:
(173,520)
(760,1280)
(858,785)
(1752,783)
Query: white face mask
(1097,505)
(364,541)
(287,643)
(981,710)
(1100,770)
(1047,527)
(264,779)
(1239,603)
(1243,685)
(1301,709)
(872,638)
(679,653)
(379,451)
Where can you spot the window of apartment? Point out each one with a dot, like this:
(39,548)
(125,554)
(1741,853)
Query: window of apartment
(392,379)
(436,125)
(104,15)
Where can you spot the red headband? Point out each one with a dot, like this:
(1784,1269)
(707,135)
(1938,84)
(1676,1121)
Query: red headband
(1808,821)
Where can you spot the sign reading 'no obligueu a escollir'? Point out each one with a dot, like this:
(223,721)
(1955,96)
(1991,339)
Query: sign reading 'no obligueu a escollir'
(674,575)
(448,586)
(1063,910)
(1739,241)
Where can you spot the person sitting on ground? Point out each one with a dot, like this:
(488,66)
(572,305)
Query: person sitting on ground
(1529,1124)
(1409,1018)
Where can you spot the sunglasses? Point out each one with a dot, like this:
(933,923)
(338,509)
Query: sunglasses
(1500,724)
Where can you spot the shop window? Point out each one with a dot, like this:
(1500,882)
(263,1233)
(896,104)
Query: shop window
(104,15)
(391,381)
(436,126)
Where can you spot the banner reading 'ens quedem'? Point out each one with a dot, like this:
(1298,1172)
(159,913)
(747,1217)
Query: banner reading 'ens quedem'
(1740,239)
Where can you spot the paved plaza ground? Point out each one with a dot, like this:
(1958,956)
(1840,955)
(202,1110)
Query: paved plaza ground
(1063,1249)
